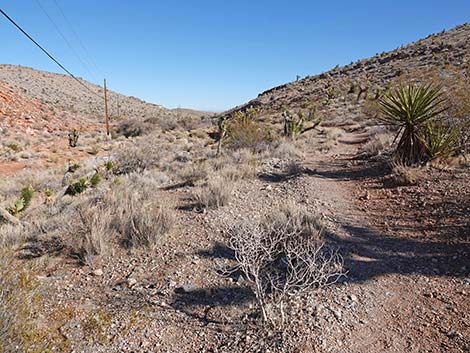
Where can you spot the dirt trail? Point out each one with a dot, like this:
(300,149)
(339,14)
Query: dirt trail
(401,308)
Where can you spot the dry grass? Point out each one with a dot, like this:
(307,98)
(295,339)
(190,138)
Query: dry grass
(377,145)
(139,216)
(136,157)
(403,175)
(85,229)
(214,193)
(21,309)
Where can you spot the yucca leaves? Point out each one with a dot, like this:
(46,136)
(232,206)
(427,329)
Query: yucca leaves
(412,105)
(441,141)
(410,108)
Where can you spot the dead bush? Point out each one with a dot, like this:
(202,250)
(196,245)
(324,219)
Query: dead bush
(195,172)
(214,193)
(282,256)
(377,145)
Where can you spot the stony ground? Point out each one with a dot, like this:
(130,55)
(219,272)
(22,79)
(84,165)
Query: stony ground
(406,289)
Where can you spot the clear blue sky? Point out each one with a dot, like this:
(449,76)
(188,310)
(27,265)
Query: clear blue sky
(215,54)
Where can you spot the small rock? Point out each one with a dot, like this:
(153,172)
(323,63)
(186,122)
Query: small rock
(98,272)
(353,298)
(188,288)
(131,282)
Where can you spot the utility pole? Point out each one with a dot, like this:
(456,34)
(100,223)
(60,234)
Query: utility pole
(106,108)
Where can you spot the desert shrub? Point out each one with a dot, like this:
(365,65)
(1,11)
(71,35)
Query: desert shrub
(195,172)
(109,165)
(77,187)
(139,217)
(293,168)
(286,150)
(14,146)
(214,193)
(410,108)
(132,128)
(11,234)
(283,255)
(95,179)
(244,131)
(136,158)
(73,138)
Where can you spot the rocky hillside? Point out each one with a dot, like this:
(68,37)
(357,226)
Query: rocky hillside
(64,93)
(339,94)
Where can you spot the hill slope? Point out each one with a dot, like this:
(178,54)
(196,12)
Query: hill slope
(63,92)
(339,93)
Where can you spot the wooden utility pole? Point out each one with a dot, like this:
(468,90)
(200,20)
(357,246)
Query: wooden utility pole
(106,108)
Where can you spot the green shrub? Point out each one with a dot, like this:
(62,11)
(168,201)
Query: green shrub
(77,188)
(244,131)
(95,179)
(109,165)
(14,147)
(27,194)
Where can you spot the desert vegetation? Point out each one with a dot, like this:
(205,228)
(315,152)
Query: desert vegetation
(324,211)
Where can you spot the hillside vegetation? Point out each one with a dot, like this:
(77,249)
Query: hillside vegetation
(327,215)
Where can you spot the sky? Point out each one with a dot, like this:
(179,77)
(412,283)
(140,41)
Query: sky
(212,54)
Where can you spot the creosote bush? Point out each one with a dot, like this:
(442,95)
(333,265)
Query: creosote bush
(245,131)
(132,128)
(282,256)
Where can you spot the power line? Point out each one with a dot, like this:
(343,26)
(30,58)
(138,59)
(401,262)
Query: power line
(84,48)
(46,52)
(80,42)
(65,39)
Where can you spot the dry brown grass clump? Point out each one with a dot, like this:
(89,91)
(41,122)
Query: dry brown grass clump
(403,175)
(214,193)
(377,145)
(139,216)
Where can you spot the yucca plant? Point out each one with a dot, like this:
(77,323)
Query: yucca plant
(441,141)
(410,108)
